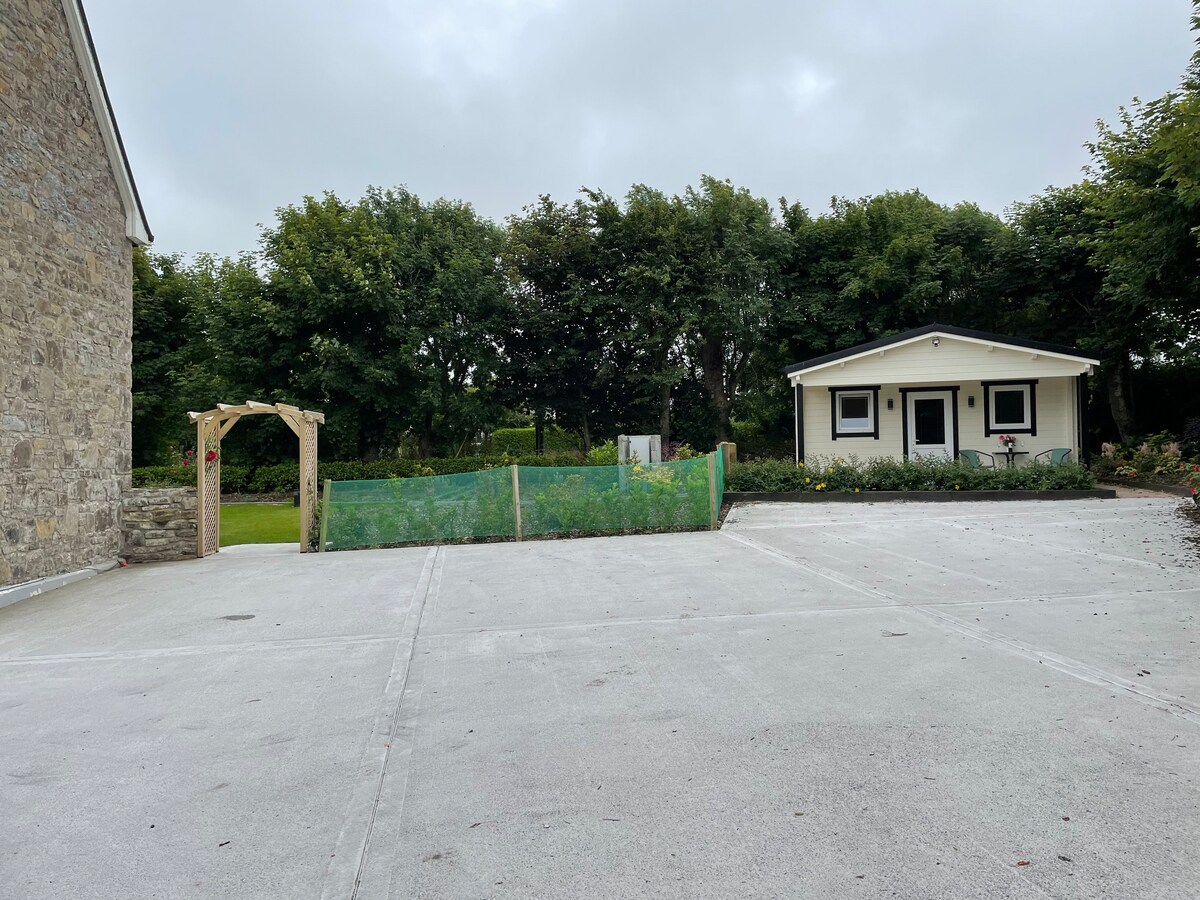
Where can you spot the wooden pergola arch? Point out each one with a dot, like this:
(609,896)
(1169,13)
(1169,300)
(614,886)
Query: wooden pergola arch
(213,425)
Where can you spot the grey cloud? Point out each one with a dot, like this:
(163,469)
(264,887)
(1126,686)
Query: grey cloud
(230,110)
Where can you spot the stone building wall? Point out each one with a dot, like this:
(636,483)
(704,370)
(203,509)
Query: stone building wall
(65,309)
(159,524)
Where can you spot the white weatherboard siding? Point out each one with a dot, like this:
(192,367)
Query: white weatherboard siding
(1056,411)
(818,428)
(919,362)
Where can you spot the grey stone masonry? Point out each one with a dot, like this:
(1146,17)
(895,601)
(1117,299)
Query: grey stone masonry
(160,523)
(65,309)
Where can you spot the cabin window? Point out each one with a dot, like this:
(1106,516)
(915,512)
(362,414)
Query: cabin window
(1010,407)
(855,412)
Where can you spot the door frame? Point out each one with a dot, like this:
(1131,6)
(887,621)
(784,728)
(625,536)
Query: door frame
(952,389)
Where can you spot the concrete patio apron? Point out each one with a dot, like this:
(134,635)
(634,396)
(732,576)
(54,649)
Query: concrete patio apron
(855,701)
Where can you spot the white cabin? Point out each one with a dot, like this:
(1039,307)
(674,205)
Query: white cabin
(939,390)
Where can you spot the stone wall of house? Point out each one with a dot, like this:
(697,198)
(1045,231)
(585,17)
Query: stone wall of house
(65,309)
(159,524)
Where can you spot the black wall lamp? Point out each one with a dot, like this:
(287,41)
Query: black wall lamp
(971,401)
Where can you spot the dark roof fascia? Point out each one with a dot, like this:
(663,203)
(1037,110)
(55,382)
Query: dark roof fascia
(952,330)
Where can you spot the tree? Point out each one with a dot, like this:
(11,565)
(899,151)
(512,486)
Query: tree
(869,268)
(558,346)
(450,285)
(731,249)
(1146,198)
(648,271)
(173,370)
(386,311)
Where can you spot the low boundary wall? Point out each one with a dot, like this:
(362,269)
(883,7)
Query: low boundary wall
(158,524)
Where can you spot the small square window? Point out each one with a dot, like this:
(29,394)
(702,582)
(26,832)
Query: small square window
(854,413)
(1010,408)
(856,410)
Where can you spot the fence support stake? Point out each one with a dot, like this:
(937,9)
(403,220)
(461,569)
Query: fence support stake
(325,514)
(516,503)
(712,491)
(730,450)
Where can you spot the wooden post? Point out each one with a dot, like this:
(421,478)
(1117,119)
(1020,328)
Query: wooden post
(712,491)
(214,493)
(729,450)
(516,481)
(325,513)
(198,462)
(308,480)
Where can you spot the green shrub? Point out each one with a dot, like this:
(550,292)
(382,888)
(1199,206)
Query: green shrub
(676,452)
(556,460)
(520,441)
(234,479)
(1156,458)
(753,443)
(281,478)
(603,454)
(885,474)
(611,498)
(163,476)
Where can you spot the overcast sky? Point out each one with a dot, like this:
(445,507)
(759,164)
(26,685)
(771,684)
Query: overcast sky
(232,108)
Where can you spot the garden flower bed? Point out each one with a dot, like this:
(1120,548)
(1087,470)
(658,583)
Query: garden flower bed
(1157,463)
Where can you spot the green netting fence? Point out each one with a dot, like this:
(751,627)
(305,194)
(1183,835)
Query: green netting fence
(519,501)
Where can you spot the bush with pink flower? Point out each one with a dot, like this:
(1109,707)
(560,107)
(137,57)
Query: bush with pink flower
(1157,458)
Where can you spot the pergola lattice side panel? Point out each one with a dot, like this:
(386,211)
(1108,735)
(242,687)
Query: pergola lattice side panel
(211,426)
(208,503)
(308,482)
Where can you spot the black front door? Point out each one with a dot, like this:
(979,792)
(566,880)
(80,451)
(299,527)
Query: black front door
(930,421)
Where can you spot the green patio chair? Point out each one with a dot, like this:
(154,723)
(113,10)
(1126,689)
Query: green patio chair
(1055,457)
(974,458)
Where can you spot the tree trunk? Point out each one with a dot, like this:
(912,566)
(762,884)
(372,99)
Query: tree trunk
(586,433)
(1119,401)
(664,396)
(426,442)
(368,450)
(664,415)
(712,364)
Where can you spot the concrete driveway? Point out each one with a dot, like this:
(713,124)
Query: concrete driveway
(886,700)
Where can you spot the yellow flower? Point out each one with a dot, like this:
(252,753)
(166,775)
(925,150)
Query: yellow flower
(830,470)
(808,481)
(956,487)
(819,486)
(856,490)
(800,464)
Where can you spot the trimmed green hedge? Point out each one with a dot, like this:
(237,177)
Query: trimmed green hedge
(234,479)
(520,441)
(782,476)
(283,478)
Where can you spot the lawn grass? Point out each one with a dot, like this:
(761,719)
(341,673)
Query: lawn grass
(259,523)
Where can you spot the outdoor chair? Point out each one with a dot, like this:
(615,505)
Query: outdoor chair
(1055,457)
(974,458)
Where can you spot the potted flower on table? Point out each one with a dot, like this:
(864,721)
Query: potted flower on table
(1009,443)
